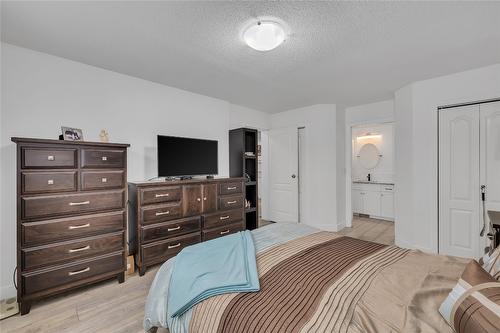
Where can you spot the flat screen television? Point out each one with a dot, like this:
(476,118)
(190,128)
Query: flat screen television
(186,156)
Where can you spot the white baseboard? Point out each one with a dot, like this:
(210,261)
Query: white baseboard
(331,227)
(7,291)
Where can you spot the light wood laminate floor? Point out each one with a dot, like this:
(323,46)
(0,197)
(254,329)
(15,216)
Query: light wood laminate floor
(113,307)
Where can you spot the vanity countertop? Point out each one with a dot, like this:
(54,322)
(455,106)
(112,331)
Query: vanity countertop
(371,182)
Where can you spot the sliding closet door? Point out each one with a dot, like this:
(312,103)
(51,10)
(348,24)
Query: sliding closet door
(459,188)
(490,156)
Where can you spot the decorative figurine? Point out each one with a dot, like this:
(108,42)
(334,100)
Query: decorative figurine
(104,136)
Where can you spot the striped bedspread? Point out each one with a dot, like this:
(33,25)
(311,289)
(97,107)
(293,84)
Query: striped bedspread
(310,284)
(315,281)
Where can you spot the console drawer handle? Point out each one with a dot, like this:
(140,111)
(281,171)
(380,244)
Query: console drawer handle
(224,232)
(224,217)
(232,188)
(79,272)
(162,213)
(104,158)
(174,246)
(104,180)
(71,227)
(79,203)
(50,182)
(79,249)
(162,195)
(173,229)
(232,202)
(51,158)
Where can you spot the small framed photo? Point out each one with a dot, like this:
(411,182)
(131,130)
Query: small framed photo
(71,134)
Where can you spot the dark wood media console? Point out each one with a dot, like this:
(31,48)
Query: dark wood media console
(167,216)
(71,215)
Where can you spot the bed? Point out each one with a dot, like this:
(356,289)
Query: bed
(317,281)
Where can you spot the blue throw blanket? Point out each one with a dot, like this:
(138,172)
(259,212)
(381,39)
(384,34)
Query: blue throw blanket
(223,265)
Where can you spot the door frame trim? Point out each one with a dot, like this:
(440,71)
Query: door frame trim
(348,162)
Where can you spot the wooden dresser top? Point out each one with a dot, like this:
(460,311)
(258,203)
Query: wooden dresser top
(185,182)
(66,142)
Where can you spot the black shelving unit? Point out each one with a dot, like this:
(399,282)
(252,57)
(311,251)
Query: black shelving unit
(241,141)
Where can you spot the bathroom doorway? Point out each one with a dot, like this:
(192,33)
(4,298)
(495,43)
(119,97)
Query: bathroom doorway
(370,182)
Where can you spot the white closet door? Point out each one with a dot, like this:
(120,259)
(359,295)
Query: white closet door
(283,181)
(459,188)
(490,156)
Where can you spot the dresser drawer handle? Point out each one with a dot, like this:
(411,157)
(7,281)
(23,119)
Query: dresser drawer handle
(104,180)
(81,203)
(388,189)
(79,272)
(204,198)
(224,232)
(162,195)
(51,158)
(162,213)
(174,246)
(104,158)
(85,248)
(173,229)
(231,188)
(198,199)
(232,202)
(50,182)
(71,227)
(224,217)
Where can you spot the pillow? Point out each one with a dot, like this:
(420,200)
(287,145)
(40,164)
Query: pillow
(473,306)
(491,263)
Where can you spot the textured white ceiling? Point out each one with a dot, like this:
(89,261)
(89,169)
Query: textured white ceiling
(338,52)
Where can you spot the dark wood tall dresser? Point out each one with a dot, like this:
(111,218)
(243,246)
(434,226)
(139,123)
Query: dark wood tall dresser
(167,216)
(71,215)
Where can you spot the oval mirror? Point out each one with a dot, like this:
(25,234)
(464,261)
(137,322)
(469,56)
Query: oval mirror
(369,156)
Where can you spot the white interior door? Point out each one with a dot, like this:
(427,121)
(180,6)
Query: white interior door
(459,188)
(283,175)
(490,157)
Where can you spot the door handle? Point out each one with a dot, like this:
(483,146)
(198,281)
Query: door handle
(294,176)
(483,199)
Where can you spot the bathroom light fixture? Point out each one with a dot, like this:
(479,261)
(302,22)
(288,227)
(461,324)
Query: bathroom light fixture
(264,35)
(369,136)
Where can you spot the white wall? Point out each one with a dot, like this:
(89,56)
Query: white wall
(370,113)
(384,171)
(42,92)
(341,171)
(416,197)
(241,116)
(319,194)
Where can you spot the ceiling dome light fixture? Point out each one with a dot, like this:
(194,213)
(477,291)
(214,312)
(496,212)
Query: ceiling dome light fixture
(264,35)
